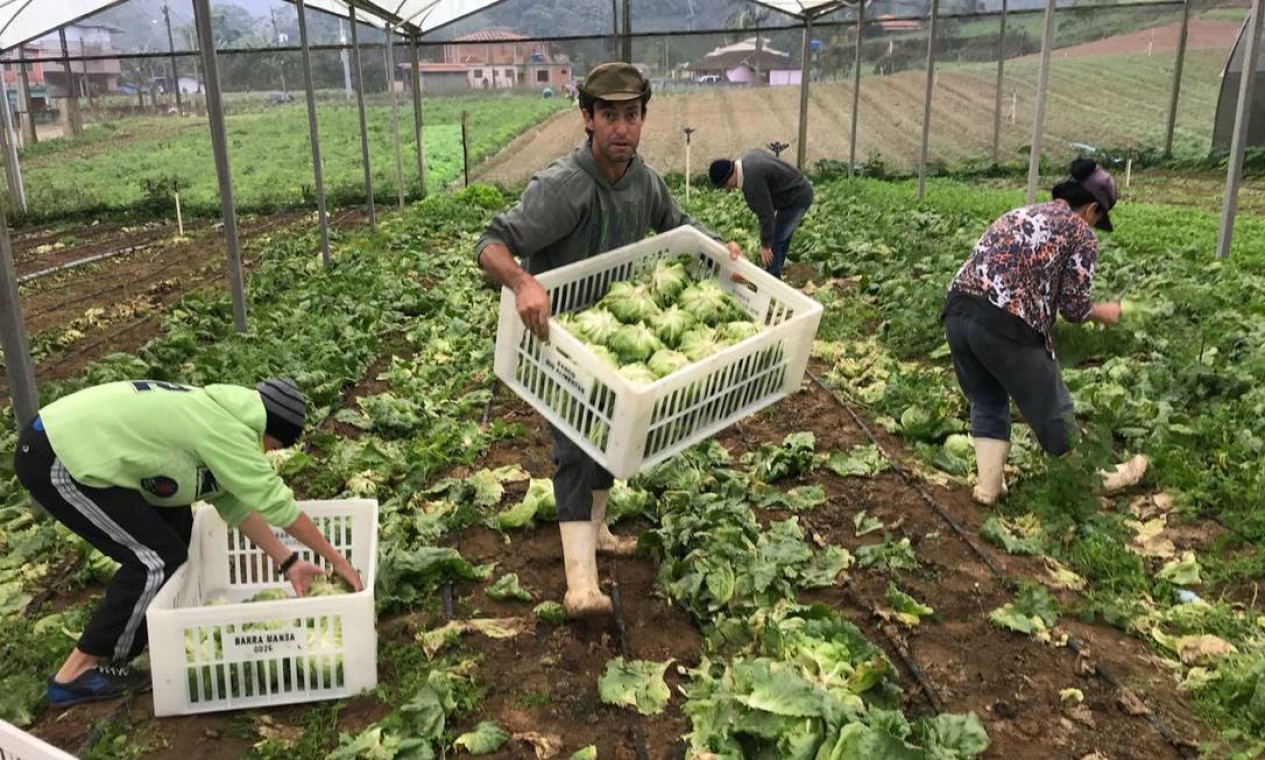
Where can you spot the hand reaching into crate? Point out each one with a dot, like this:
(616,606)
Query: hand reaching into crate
(302,574)
(299,572)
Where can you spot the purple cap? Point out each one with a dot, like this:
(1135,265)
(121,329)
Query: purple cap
(1103,188)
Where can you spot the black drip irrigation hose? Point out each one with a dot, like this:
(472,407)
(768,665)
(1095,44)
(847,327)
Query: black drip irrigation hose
(445,590)
(487,408)
(1184,749)
(634,722)
(912,481)
(51,587)
(97,731)
(898,644)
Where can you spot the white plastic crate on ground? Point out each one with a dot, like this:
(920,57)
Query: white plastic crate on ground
(627,427)
(237,655)
(16,744)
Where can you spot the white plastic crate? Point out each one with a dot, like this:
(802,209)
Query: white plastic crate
(16,744)
(236,654)
(627,427)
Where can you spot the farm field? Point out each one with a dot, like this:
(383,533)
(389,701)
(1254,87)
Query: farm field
(848,515)
(1128,109)
(133,163)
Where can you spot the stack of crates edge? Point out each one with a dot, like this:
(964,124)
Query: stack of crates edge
(626,427)
(16,744)
(231,654)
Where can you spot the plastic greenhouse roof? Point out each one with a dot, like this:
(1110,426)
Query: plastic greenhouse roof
(24,20)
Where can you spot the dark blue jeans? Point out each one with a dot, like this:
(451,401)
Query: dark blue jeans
(784,225)
(992,369)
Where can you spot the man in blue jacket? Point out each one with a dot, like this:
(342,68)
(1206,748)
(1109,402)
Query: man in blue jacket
(777,192)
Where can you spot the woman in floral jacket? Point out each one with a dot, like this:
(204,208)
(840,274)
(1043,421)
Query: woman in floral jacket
(1032,264)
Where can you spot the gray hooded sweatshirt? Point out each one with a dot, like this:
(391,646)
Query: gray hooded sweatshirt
(570,211)
(771,185)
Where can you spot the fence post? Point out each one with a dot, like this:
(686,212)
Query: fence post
(926,102)
(17,351)
(29,123)
(72,97)
(219,146)
(1038,121)
(805,74)
(1001,75)
(1242,111)
(12,165)
(417,114)
(364,126)
(856,86)
(1177,80)
(318,171)
(395,119)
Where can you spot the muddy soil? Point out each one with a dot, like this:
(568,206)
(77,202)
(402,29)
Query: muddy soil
(545,680)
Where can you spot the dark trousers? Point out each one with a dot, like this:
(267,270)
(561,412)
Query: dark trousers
(784,225)
(148,542)
(576,478)
(992,369)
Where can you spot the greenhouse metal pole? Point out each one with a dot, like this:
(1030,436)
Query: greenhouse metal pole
(318,171)
(364,126)
(12,165)
(219,146)
(395,119)
(1001,76)
(1177,80)
(626,42)
(417,115)
(1242,112)
(17,350)
(1038,119)
(926,100)
(856,87)
(805,74)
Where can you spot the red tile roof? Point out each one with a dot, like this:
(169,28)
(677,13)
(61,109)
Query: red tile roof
(491,35)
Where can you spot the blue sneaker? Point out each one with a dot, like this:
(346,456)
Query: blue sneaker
(96,683)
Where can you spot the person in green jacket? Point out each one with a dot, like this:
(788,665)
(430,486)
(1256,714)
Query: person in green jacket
(120,464)
(598,198)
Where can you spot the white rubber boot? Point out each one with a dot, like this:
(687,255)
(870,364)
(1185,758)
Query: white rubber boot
(990,463)
(608,543)
(579,554)
(1125,475)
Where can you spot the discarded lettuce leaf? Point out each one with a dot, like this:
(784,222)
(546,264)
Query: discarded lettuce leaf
(507,587)
(551,612)
(635,683)
(486,738)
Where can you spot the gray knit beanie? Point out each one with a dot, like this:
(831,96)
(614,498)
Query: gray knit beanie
(285,406)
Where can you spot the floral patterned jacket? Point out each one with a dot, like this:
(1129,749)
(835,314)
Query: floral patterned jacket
(1034,262)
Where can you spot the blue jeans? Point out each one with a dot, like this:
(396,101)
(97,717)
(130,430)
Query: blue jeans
(784,225)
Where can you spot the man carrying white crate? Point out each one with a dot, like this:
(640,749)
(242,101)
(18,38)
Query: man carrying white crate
(120,464)
(598,198)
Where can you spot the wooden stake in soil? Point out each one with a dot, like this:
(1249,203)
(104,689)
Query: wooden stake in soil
(688,131)
(179,216)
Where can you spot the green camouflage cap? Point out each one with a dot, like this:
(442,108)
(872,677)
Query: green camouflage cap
(615,81)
